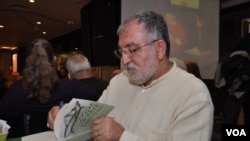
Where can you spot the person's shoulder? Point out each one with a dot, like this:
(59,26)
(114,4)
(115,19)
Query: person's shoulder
(84,90)
(15,91)
(72,88)
(78,84)
(101,80)
(74,83)
(64,84)
(185,78)
(64,81)
(95,80)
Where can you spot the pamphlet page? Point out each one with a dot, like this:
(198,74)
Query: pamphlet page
(74,121)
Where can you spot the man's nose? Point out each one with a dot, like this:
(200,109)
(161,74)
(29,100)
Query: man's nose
(126,58)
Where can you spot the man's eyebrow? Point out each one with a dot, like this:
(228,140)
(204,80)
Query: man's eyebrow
(130,44)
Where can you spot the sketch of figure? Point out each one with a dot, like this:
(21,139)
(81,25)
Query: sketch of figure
(71,118)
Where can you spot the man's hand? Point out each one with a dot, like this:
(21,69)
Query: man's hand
(52,116)
(106,129)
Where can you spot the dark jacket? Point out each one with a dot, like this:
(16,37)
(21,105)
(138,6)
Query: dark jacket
(99,85)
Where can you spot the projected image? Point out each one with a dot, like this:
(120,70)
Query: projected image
(196,49)
(186,28)
(177,32)
(186,3)
(183,45)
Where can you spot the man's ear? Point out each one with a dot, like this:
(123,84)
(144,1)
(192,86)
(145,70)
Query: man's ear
(161,48)
(70,75)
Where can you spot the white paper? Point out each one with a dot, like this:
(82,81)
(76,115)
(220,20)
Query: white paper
(43,136)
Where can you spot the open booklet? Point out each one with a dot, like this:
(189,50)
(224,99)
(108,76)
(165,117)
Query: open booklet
(74,121)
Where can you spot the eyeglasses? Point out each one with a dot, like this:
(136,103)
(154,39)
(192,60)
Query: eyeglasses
(130,51)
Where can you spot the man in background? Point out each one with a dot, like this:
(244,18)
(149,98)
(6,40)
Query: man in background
(79,68)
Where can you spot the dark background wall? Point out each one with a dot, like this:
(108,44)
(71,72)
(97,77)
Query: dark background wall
(100,20)
(230,26)
(68,42)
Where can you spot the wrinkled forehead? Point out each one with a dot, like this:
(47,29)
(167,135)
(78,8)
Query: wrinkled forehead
(133,33)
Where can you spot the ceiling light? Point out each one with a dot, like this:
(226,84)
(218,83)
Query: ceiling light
(1,26)
(44,32)
(70,22)
(248,19)
(38,22)
(32,1)
(8,48)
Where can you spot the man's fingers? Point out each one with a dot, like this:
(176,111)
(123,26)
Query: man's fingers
(52,116)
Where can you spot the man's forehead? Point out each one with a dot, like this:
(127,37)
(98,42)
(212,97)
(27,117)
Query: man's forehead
(130,38)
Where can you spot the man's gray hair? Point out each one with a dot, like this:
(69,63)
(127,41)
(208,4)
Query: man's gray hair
(154,24)
(77,63)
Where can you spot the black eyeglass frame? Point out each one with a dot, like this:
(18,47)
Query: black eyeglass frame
(131,51)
